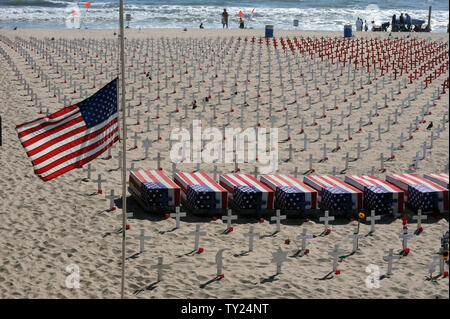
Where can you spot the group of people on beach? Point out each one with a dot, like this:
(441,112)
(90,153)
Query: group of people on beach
(360,25)
(404,24)
(225,17)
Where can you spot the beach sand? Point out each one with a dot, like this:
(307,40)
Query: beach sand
(47,226)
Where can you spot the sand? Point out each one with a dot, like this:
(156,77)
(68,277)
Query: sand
(47,226)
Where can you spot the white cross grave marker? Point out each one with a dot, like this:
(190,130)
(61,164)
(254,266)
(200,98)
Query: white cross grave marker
(177,216)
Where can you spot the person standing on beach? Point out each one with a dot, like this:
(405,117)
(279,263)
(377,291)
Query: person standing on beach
(358,24)
(224,18)
(394,22)
(402,22)
(408,21)
(366,27)
(241,23)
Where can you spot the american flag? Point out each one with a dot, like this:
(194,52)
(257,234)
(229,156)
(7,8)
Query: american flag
(72,136)
(378,193)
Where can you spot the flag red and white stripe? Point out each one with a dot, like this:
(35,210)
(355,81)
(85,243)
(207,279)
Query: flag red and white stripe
(72,136)
(439,179)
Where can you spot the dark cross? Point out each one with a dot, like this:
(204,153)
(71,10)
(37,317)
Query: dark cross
(135,137)
(99,181)
(146,144)
(111,198)
(89,170)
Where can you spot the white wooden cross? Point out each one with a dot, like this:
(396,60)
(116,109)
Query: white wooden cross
(279,257)
(229,218)
(160,267)
(336,253)
(197,234)
(250,236)
(325,219)
(437,258)
(111,198)
(355,237)
(404,234)
(89,170)
(141,239)
(389,259)
(146,144)
(99,181)
(177,216)
(419,217)
(372,218)
(304,237)
(278,219)
(219,261)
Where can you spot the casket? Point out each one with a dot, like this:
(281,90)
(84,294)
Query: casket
(153,189)
(247,192)
(421,193)
(291,193)
(201,192)
(334,194)
(378,195)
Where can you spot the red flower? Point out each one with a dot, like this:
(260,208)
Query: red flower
(166,216)
(221,276)
(306,251)
(307,220)
(420,229)
(230,229)
(328,230)
(261,220)
(127,227)
(337,272)
(287,242)
(407,250)
(446,273)
(214,218)
(200,250)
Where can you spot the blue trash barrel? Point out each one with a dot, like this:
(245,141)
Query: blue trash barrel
(269,31)
(347,31)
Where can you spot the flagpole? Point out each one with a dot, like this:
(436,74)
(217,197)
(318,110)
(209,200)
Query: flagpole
(124,146)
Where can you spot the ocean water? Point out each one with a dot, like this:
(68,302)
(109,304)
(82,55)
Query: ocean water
(312,14)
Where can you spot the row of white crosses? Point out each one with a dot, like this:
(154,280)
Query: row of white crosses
(280,256)
(179,45)
(381,158)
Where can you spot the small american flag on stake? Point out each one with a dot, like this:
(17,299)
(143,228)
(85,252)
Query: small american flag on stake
(72,136)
